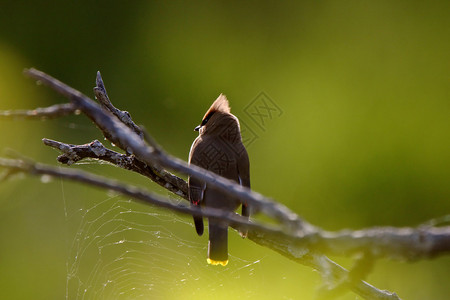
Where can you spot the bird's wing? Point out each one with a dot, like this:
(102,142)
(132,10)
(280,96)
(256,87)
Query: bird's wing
(196,186)
(244,176)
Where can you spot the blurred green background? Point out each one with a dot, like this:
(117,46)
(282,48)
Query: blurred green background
(363,138)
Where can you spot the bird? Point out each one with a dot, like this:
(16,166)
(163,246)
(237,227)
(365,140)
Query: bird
(219,149)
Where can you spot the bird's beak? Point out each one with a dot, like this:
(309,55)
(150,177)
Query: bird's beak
(197,128)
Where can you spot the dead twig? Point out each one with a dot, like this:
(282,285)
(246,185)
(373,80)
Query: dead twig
(54,111)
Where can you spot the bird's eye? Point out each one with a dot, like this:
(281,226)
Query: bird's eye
(206,119)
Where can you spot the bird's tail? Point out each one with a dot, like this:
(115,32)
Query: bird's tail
(218,244)
(198,221)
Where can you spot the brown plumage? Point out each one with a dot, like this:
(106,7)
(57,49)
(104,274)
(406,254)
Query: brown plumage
(219,149)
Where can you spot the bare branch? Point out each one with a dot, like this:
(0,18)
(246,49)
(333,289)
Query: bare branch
(331,289)
(54,111)
(389,242)
(123,116)
(96,150)
(38,169)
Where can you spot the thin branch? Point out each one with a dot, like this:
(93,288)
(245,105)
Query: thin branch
(361,268)
(123,116)
(37,169)
(54,111)
(96,150)
(389,242)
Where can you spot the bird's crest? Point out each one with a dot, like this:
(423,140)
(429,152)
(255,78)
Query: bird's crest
(220,105)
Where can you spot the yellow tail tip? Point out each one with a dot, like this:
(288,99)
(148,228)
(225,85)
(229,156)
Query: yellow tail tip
(217,262)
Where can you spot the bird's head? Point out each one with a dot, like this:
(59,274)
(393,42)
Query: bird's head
(219,121)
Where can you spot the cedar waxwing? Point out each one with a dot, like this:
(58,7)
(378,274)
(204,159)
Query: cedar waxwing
(219,149)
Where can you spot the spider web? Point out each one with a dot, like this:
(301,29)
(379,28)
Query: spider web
(125,250)
(121,249)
